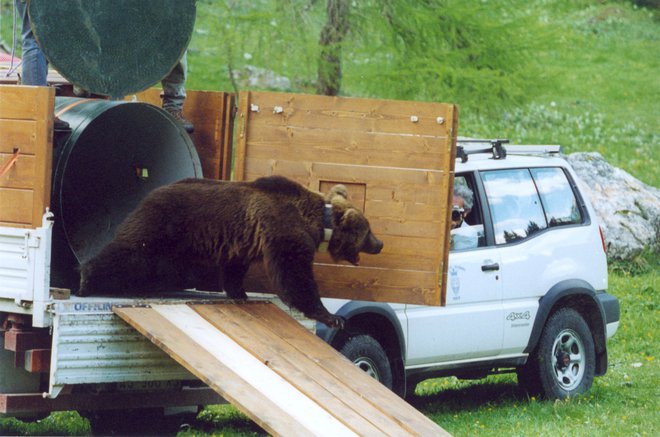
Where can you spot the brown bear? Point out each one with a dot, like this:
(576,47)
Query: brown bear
(184,229)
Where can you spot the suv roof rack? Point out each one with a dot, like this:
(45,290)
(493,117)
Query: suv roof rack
(470,146)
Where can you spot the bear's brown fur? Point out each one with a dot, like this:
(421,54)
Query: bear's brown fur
(183,229)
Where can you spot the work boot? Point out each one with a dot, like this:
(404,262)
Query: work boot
(177,114)
(60,125)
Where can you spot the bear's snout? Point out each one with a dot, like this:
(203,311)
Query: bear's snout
(372,245)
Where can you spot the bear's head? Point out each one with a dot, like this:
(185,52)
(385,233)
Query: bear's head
(351,233)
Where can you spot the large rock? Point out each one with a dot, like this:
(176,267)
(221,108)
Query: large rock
(628,210)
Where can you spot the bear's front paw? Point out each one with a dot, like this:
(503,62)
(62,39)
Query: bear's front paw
(332,321)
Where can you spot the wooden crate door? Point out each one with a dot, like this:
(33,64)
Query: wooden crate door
(26,137)
(395,157)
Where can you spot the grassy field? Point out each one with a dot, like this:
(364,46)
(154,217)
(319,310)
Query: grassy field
(586,77)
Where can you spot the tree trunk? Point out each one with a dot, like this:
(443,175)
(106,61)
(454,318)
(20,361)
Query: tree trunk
(332,35)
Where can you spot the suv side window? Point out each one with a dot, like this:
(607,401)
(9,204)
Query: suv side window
(468,234)
(559,202)
(514,203)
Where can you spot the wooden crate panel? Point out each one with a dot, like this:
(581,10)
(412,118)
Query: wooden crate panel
(369,148)
(17,133)
(279,374)
(350,114)
(15,206)
(22,102)
(21,174)
(211,114)
(396,158)
(26,127)
(381,285)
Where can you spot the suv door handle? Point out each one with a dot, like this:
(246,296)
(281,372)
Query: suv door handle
(490,267)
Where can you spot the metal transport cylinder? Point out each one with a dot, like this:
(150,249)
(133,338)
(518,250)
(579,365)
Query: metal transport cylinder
(115,154)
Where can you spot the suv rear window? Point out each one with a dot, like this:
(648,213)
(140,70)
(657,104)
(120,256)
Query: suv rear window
(561,207)
(523,202)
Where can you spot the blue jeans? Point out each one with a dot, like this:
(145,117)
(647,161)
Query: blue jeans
(35,65)
(174,91)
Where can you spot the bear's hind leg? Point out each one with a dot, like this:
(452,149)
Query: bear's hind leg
(232,280)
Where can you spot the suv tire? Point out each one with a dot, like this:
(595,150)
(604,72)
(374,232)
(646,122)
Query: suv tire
(367,353)
(564,362)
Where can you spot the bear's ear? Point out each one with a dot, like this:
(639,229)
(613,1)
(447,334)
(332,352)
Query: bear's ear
(338,191)
(351,218)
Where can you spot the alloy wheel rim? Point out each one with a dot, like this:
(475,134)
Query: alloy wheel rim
(568,359)
(369,367)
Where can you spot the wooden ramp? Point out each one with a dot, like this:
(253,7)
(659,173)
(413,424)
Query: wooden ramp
(281,375)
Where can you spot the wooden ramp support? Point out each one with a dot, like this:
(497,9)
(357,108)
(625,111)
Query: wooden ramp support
(282,376)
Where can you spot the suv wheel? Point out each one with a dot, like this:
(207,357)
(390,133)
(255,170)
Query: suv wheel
(563,364)
(367,353)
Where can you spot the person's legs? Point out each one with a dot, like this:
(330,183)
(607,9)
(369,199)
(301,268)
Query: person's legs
(174,93)
(35,66)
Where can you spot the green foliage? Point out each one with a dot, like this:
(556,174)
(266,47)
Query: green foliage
(224,420)
(645,262)
(58,423)
(438,50)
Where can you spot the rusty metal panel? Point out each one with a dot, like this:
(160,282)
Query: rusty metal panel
(92,345)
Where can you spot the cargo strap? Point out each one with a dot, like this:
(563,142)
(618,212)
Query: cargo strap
(7,165)
(71,105)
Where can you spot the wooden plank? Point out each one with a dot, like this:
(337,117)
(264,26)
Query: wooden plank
(228,140)
(346,114)
(372,148)
(282,376)
(18,133)
(379,284)
(16,206)
(214,372)
(37,360)
(375,284)
(240,154)
(302,412)
(23,102)
(22,172)
(303,371)
(297,336)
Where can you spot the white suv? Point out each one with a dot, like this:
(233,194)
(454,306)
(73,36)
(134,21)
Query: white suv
(526,289)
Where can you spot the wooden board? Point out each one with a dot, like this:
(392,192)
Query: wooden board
(282,376)
(211,114)
(395,157)
(26,126)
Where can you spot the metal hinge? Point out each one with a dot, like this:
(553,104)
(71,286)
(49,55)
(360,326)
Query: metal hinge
(31,242)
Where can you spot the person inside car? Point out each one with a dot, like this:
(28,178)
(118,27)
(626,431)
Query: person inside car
(463,236)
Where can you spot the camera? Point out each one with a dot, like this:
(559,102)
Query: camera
(457,213)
